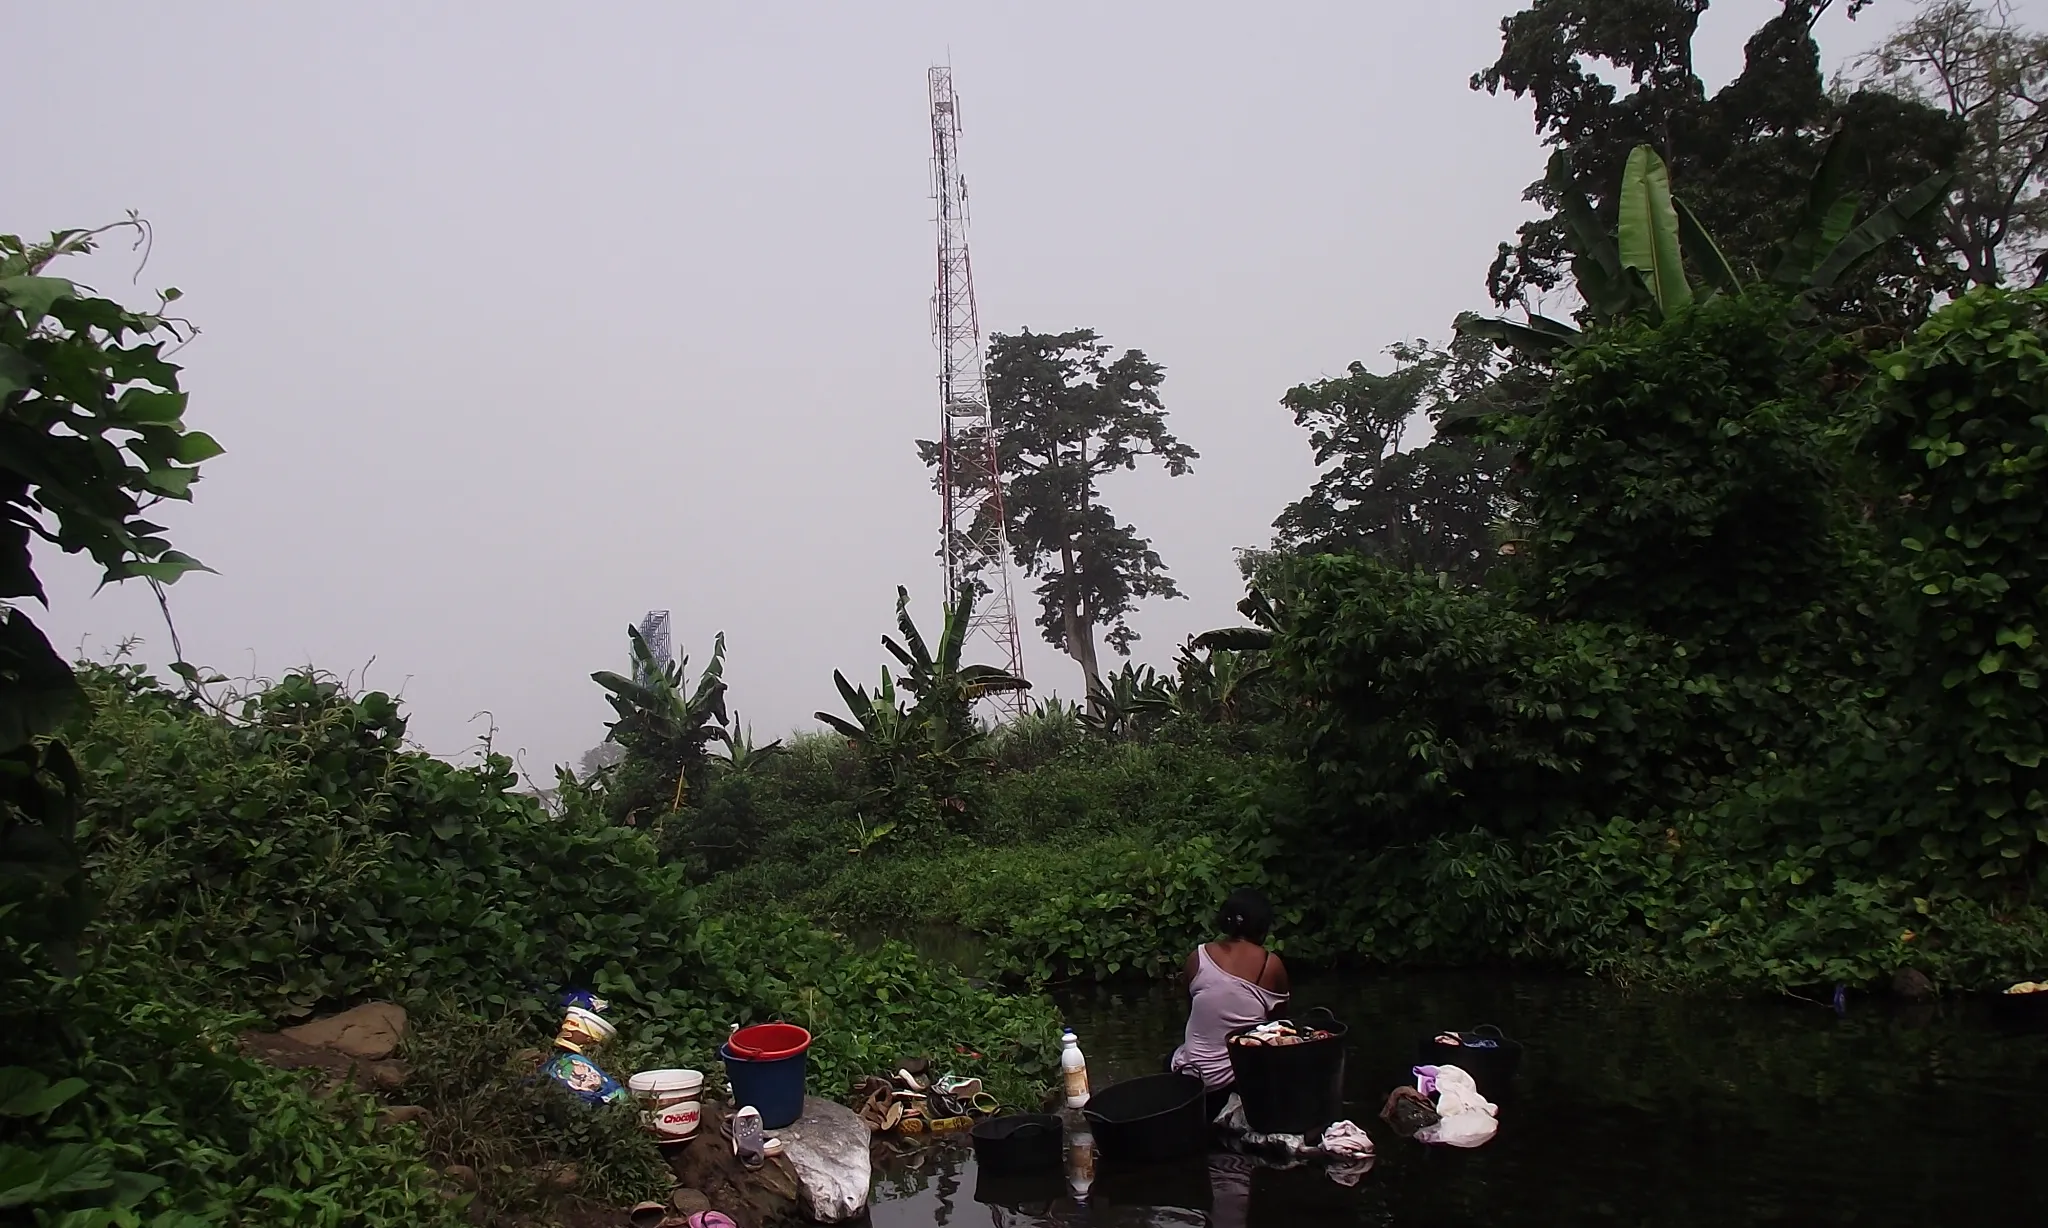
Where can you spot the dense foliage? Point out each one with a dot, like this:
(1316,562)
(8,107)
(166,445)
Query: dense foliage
(285,853)
(1701,642)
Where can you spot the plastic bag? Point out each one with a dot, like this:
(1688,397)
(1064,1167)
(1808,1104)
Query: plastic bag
(1408,1111)
(1466,1118)
(583,1079)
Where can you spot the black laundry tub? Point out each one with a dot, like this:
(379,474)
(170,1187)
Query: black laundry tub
(1491,1063)
(1154,1117)
(1019,1143)
(1291,1089)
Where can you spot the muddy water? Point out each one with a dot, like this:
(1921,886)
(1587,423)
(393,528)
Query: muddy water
(1631,1109)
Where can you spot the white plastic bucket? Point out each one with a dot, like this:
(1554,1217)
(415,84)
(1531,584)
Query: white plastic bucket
(669,1102)
(583,1031)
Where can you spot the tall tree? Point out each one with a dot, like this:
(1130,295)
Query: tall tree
(1972,62)
(1390,486)
(1072,412)
(1748,150)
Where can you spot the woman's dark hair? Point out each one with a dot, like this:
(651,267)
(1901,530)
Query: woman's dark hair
(1246,915)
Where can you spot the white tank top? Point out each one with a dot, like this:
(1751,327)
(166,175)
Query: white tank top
(1223,1002)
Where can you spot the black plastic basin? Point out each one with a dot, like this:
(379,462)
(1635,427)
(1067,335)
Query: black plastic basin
(1154,1117)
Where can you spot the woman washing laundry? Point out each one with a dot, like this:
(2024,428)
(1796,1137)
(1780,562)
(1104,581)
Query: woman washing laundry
(1232,983)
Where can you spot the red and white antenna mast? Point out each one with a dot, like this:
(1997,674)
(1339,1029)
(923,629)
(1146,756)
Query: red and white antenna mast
(974,537)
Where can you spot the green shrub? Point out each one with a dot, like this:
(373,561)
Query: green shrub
(287,854)
(201,1134)
(1962,433)
(1681,478)
(1425,707)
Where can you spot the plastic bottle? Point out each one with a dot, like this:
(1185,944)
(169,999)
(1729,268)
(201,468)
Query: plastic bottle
(1075,1069)
(1080,1160)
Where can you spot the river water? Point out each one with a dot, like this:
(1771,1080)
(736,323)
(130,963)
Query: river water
(1631,1108)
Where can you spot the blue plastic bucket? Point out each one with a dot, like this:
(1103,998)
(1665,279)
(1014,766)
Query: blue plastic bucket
(775,1088)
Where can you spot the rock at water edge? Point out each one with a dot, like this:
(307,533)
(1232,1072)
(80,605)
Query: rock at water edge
(829,1149)
(370,1031)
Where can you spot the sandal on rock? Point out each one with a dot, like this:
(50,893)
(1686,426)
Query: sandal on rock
(711,1219)
(746,1136)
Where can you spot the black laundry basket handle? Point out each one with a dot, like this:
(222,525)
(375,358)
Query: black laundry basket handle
(1488,1029)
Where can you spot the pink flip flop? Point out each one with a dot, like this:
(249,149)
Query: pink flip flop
(712,1219)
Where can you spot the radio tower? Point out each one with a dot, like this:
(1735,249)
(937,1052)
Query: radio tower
(973,535)
(655,630)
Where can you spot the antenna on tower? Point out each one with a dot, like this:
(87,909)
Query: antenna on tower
(655,630)
(973,532)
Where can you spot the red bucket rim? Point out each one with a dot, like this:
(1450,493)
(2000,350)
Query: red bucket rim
(764,1042)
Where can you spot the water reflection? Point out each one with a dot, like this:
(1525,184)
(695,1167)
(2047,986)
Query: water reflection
(1631,1110)
(922,1188)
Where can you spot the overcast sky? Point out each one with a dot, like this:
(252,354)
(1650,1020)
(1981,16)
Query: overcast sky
(520,320)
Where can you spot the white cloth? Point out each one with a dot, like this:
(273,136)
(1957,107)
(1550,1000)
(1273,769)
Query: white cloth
(1345,1139)
(1467,1118)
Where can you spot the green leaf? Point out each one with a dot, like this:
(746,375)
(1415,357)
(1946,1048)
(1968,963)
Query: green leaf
(28,1093)
(30,1177)
(16,373)
(175,483)
(33,296)
(1704,253)
(194,447)
(147,406)
(1588,237)
(1648,236)
(1880,228)
(1530,338)
(164,569)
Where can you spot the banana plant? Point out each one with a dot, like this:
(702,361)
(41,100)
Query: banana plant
(943,691)
(880,721)
(1265,628)
(1119,705)
(939,676)
(1217,685)
(742,753)
(1640,269)
(665,723)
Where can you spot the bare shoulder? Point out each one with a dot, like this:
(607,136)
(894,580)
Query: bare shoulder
(1193,964)
(1275,976)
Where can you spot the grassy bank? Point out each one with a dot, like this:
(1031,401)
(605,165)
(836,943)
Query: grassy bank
(261,860)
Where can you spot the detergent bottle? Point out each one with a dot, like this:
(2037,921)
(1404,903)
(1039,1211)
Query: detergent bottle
(1075,1069)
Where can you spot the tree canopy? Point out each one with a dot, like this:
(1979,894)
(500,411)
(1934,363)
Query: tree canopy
(1971,62)
(1747,151)
(1071,411)
(1389,486)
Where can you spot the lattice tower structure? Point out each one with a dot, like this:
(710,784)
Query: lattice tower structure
(660,642)
(973,531)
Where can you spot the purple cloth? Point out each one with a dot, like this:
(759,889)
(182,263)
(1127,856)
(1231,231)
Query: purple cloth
(1425,1079)
(1222,1003)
